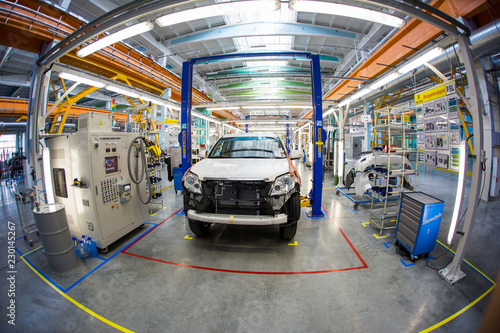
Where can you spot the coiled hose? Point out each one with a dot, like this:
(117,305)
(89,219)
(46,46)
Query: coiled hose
(135,179)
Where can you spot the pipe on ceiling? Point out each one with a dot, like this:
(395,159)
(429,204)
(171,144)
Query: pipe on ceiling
(484,42)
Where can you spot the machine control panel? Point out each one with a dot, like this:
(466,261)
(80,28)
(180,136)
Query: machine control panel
(109,190)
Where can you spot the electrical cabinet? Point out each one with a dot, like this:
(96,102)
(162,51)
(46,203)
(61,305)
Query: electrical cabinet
(90,177)
(418,222)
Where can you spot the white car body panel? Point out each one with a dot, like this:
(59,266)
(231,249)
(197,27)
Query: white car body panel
(380,159)
(241,168)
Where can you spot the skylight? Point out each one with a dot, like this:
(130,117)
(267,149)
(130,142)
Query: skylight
(266,42)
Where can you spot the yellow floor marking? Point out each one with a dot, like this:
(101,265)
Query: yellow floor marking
(365,224)
(90,312)
(32,251)
(453,316)
(294,243)
(152,214)
(188,237)
(167,188)
(163,208)
(379,237)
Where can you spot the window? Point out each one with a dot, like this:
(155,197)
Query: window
(248,147)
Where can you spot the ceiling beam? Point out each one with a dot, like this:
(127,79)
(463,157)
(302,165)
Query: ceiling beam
(262,29)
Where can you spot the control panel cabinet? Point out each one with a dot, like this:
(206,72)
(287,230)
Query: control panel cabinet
(104,203)
(418,222)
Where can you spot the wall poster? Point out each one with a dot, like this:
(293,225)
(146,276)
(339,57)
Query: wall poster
(441,124)
(430,124)
(453,106)
(442,160)
(440,106)
(430,158)
(455,160)
(442,141)
(428,109)
(430,141)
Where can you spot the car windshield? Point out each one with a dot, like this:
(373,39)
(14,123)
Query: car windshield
(248,147)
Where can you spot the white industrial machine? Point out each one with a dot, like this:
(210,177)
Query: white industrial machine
(91,177)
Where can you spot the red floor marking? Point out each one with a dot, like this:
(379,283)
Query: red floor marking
(252,272)
(243,272)
(156,226)
(347,239)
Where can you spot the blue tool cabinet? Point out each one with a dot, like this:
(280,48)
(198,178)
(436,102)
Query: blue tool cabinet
(418,223)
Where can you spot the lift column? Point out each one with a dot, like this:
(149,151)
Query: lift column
(318,136)
(186,95)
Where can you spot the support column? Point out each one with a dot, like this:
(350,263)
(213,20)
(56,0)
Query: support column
(186,105)
(318,137)
(368,129)
(287,136)
(491,98)
(452,273)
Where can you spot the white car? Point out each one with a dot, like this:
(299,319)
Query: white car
(246,179)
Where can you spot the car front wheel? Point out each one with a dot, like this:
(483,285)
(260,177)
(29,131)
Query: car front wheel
(289,229)
(199,228)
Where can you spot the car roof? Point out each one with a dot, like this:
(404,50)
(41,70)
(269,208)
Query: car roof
(271,135)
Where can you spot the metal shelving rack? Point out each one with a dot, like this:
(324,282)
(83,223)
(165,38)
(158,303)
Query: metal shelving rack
(383,211)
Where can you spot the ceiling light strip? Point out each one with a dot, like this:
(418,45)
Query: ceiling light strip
(131,31)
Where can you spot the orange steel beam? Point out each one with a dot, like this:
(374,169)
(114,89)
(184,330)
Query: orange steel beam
(19,107)
(415,34)
(30,23)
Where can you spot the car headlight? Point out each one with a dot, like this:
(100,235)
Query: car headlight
(192,182)
(283,184)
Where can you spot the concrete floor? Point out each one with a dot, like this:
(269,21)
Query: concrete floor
(337,278)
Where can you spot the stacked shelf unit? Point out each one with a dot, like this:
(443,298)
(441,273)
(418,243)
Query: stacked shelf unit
(398,176)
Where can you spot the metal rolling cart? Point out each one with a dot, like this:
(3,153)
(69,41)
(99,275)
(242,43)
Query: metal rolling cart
(23,198)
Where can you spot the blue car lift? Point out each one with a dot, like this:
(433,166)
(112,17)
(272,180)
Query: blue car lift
(317,117)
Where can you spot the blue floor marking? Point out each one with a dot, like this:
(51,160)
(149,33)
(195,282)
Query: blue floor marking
(105,261)
(181,212)
(19,238)
(407,265)
(150,223)
(45,276)
(33,252)
(315,218)
(387,246)
(98,257)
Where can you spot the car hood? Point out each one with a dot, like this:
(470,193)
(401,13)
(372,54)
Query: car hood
(241,168)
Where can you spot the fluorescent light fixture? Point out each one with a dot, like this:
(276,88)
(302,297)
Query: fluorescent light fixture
(462,163)
(265,129)
(360,94)
(152,99)
(345,101)
(422,59)
(258,122)
(172,106)
(47,175)
(223,108)
(302,127)
(226,8)
(382,82)
(131,31)
(347,11)
(122,91)
(79,79)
